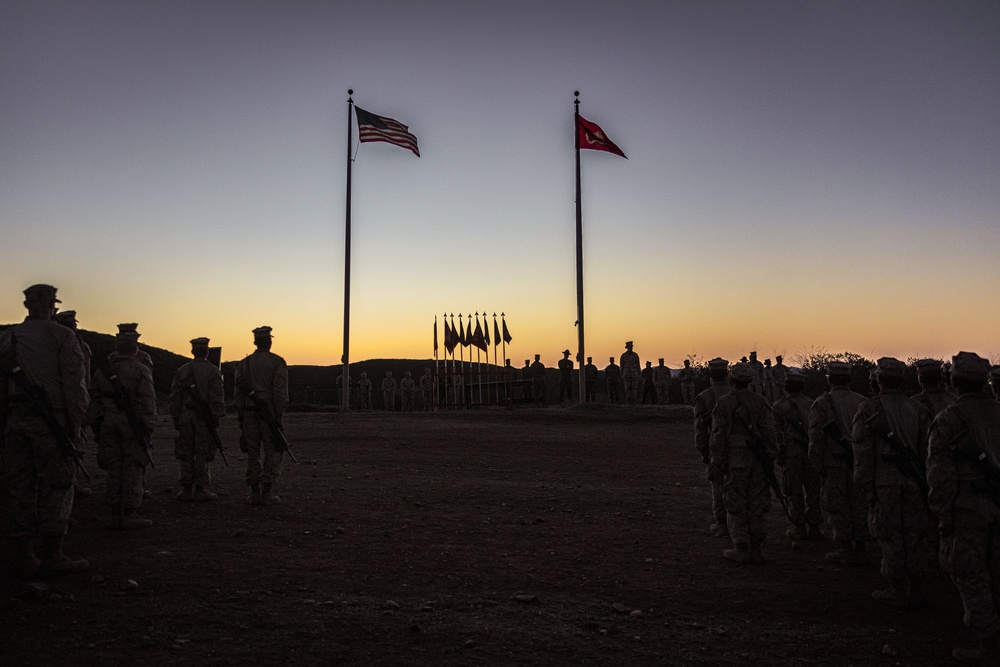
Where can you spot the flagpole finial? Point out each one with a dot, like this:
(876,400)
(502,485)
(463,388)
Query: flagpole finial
(576,93)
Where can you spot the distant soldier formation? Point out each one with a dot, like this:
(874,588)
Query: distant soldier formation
(916,475)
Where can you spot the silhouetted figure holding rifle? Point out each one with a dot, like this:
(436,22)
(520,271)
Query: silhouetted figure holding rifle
(743,448)
(261,394)
(197,403)
(123,415)
(43,395)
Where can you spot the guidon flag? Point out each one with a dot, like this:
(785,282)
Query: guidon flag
(591,136)
(380,128)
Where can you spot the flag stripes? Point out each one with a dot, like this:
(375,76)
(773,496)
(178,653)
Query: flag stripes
(381,128)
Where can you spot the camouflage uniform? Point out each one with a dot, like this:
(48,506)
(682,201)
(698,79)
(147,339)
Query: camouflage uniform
(194,446)
(687,376)
(389,391)
(843,502)
(427,388)
(526,381)
(616,386)
(565,377)
(365,392)
(119,451)
(757,370)
(407,392)
(933,395)
(778,373)
(142,356)
(631,373)
(590,381)
(661,380)
(538,388)
(961,499)
(648,390)
(897,508)
(800,481)
(704,404)
(745,487)
(266,375)
(39,475)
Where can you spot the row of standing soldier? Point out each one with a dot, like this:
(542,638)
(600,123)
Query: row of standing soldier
(918,475)
(48,395)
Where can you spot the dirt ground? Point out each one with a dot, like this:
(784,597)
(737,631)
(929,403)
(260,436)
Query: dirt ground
(549,536)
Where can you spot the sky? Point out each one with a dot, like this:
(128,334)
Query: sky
(801,175)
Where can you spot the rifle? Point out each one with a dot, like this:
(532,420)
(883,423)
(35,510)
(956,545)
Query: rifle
(277,432)
(756,444)
(904,457)
(38,403)
(124,402)
(832,430)
(205,413)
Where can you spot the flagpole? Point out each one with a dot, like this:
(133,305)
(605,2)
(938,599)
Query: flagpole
(581,355)
(345,397)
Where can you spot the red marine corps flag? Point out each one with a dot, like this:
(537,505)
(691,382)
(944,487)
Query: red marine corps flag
(590,135)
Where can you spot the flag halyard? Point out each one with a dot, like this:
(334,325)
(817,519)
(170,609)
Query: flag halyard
(380,128)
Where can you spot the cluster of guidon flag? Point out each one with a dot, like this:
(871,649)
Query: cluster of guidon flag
(466,336)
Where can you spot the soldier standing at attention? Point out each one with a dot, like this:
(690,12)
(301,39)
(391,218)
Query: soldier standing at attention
(800,481)
(631,373)
(616,386)
(661,380)
(127,383)
(704,404)
(389,392)
(365,392)
(933,395)
(262,380)
(39,473)
(737,417)
(893,482)
(648,389)
(538,388)
(141,355)
(427,388)
(962,466)
(687,376)
(196,385)
(407,391)
(526,381)
(590,380)
(831,452)
(757,370)
(778,377)
(565,377)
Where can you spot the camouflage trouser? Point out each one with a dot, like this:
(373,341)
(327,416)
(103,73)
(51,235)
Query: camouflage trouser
(748,499)
(364,400)
(718,504)
(971,555)
(193,448)
(428,395)
(615,391)
(389,400)
(631,388)
(263,458)
(801,484)
(39,477)
(540,392)
(119,454)
(846,509)
(662,394)
(407,401)
(687,393)
(899,522)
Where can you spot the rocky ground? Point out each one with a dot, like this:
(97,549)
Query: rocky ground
(553,536)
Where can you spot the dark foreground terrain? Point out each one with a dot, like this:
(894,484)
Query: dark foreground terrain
(494,537)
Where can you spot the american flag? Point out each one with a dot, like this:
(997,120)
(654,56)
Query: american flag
(380,128)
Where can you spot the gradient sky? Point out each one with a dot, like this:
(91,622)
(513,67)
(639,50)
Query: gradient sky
(801,175)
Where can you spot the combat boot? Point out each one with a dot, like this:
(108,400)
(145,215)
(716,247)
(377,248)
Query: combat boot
(200,495)
(985,652)
(269,497)
(814,533)
(894,596)
(797,532)
(739,553)
(861,553)
(254,497)
(27,564)
(844,555)
(757,554)
(185,494)
(132,521)
(55,562)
